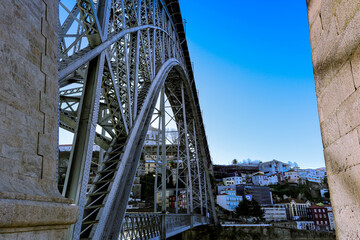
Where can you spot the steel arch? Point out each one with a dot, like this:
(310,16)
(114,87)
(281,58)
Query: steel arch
(113,61)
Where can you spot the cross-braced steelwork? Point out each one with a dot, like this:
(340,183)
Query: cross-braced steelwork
(116,57)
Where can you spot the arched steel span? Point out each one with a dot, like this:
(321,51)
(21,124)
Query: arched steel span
(114,59)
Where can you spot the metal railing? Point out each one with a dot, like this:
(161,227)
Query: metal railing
(148,225)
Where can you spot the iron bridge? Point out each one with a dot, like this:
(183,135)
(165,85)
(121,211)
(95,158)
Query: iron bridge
(124,67)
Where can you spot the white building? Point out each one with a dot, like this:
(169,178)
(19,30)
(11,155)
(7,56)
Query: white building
(305,225)
(274,166)
(295,210)
(274,214)
(233,180)
(273,179)
(151,136)
(314,179)
(260,178)
(228,202)
(291,176)
(312,175)
(228,191)
(221,188)
(228,182)
(331,218)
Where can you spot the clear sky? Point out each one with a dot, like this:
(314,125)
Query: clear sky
(253,69)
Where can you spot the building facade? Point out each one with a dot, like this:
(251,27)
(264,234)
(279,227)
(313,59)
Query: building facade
(291,176)
(228,202)
(221,188)
(274,214)
(233,180)
(274,166)
(260,178)
(295,210)
(320,217)
(331,217)
(273,179)
(228,191)
(261,194)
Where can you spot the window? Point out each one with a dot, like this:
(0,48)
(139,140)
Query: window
(316,216)
(314,210)
(324,215)
(325,222)
(321,222)
(323,210)
(317,222)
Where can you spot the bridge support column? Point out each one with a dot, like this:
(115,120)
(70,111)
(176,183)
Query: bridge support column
(163,227)
(31,206)
(335,46)
(163,164)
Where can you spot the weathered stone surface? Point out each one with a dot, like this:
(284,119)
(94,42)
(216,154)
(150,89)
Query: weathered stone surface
(329,130)
(343,153)
(336,61)
(315,29)
(327,11)
(345,203)
(346,12)
(336,92)
(314,7)
(31,207)
(59,233)
(350,40)
(355,67)
(348,114)
(26,213)
(323,54)
(254,233)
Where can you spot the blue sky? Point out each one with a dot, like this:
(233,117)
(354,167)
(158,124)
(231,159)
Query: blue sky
(253,69)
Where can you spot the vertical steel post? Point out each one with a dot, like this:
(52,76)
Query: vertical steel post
(177,172)
(163,164)
(189,185)
(157,163)
(206,200)
(77,176)
(163,150)
(198,170)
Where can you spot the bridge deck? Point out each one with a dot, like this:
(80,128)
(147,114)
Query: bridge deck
(148,225)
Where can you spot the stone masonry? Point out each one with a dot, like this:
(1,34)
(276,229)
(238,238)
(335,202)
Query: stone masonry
(30,205)
(335,45)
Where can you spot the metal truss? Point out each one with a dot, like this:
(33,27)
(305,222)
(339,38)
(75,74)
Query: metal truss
(115,58)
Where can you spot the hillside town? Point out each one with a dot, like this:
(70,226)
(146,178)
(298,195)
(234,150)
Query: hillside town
(288,195)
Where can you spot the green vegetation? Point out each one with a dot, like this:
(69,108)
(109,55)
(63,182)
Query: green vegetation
(306,192)
(249,209)
(147,186)
(292,190)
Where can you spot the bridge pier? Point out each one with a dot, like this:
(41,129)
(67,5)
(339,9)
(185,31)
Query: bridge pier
(31,205)
(335,46)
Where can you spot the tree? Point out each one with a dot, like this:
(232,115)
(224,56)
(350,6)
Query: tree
(234,161)
(327,195)
(325,181)
(257,212)
(243,209)
(247,209)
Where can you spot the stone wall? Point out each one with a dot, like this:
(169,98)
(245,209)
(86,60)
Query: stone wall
(252,233)
(335,38)
(30,204)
